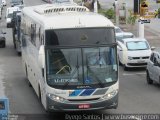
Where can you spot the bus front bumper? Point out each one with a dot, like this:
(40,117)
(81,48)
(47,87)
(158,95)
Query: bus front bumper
(54,106)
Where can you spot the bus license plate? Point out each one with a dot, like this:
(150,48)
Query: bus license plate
(84,106)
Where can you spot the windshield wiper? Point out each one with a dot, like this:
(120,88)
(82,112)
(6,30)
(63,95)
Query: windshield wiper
(77,68)
(99,81)
(99,62)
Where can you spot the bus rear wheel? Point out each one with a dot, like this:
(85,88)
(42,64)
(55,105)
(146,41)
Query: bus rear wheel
(19,53)
(27,77)
(125,68)
(40,95)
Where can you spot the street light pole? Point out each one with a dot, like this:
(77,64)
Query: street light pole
(82,2)
(141,28)
(116,12)
(95,6)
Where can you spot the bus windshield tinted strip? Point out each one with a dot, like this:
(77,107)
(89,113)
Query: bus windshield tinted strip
(85,36)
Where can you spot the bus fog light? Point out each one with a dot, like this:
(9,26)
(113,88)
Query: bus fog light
(56,98)
(110,95)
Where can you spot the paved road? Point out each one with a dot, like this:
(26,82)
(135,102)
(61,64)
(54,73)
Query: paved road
(135,95)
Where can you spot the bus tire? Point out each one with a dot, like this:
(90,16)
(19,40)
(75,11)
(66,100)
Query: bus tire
(19,53)
(14,45)
(120,63)
(39,94)
(29,84)
(125,68)
(4,44)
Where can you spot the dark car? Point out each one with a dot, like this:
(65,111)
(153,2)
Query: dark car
(2,39)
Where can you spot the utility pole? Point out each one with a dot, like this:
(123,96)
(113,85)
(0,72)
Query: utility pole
(141,28)
(82,2)
(136,7)
(116,12)
(95,6)
(126,12)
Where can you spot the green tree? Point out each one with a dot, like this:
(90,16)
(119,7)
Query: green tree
(109,13)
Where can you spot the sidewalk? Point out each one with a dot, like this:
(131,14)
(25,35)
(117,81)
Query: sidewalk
(151,31)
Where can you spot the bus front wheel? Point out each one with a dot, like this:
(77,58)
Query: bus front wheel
(39,92)
(27,77)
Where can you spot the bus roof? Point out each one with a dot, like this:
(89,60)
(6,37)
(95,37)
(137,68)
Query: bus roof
(56,16)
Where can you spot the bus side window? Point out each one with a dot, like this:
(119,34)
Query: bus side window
(42,39)
(33,34)
(37,39)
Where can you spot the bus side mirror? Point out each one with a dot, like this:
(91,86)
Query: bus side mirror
(41,57)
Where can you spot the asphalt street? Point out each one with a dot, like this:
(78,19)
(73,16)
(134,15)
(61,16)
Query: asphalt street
(135,96)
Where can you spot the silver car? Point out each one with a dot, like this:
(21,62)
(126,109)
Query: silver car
(153,67)
(120,34)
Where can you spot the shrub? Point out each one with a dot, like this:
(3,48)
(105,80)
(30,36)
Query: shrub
(158,10)
(132,18)
(107,13)
(110,13)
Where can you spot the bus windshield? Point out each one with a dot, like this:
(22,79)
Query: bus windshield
(81,66)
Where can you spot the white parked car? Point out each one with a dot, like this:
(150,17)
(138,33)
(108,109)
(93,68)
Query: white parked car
(133,52)
(9,15)
(153,67)
(120,34)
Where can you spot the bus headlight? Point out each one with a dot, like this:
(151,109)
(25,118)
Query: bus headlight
(56,98)
(110,95)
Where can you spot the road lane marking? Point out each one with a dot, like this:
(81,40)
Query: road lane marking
(128,74)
